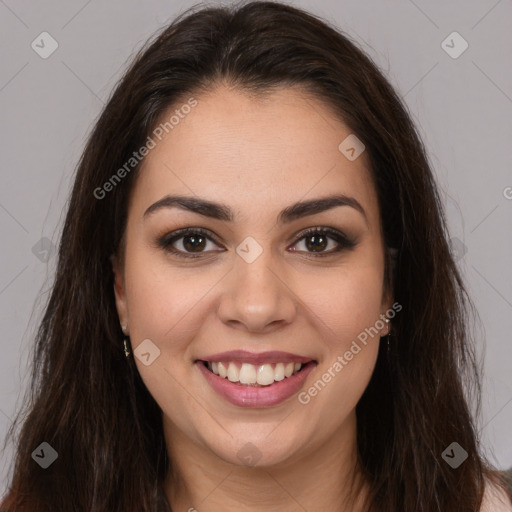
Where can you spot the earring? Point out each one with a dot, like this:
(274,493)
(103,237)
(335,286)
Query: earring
(388,335)
(126,350)
(125,340)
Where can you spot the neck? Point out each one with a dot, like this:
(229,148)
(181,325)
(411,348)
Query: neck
(323,477)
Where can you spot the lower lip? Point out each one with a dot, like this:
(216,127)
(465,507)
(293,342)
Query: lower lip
(246,396)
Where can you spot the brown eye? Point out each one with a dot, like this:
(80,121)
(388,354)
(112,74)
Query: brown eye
(196,242)
(317,240)
(188,242)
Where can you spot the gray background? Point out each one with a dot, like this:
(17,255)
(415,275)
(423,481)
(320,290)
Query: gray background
(462,106)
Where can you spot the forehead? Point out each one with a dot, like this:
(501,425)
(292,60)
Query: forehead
(254,153)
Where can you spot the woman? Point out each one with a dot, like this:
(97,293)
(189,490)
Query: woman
(255,304)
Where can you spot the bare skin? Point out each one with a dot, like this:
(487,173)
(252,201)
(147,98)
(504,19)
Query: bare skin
(257,157)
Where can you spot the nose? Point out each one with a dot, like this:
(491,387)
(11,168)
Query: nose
(256,297)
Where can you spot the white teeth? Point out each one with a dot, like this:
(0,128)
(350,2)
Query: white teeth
(265,375)
(249,374)
(233,373)
(222,370)
(279,375)
(288,369)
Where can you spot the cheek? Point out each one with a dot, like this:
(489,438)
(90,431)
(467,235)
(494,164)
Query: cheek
(335,393)
(350,307)
(164,303)
(165,307)
(169,303)
(345,301)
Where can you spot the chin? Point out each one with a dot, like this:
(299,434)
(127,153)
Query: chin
(256,451)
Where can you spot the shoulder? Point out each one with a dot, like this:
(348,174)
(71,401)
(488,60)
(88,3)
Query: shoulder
(495,500)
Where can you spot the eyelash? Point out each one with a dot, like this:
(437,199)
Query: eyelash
(166,241)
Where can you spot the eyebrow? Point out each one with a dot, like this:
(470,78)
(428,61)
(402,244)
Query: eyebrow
(222,212)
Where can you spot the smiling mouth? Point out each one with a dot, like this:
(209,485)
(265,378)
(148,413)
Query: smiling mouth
(249,375)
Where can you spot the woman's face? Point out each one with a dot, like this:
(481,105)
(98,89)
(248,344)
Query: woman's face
(255,174)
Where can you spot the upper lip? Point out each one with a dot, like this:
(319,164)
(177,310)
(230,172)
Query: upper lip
(244,356)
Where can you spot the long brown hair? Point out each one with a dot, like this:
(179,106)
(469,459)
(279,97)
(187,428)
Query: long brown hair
(91,405)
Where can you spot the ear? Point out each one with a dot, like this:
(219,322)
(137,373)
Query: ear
(386,306)
(387,299)
(119,292)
